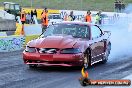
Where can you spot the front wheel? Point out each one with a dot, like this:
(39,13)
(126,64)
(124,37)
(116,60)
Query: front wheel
(87,62)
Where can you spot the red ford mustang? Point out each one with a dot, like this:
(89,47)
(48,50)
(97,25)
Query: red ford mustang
(69,44)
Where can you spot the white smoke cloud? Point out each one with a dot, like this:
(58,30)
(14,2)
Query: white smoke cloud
(121,37)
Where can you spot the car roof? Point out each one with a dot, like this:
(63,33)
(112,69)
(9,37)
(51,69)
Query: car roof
(9,3)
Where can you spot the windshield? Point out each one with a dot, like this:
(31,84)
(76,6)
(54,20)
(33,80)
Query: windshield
(75,30)
(7,6)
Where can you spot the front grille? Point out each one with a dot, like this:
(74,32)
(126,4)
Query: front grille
(48,50)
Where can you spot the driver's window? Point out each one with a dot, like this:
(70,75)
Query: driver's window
(95,32)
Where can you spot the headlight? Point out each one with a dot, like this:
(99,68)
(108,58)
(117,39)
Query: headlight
(70,51)
(30,49)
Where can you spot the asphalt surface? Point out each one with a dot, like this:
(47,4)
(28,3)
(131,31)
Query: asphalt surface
(15,74)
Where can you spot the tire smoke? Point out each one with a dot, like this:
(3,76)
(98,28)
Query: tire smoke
(121,36)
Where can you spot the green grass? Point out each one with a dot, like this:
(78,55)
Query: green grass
(104,5)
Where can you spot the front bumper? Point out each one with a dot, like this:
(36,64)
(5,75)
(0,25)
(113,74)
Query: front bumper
(53,59)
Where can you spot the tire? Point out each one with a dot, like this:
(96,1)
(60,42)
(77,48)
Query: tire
(107,53)
(87,62)
(33,65)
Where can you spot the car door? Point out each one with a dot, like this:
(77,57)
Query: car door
(97,45)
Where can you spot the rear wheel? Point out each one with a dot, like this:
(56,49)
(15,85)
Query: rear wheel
(107,52)
(87,61)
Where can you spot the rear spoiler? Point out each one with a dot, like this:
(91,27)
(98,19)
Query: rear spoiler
(108,32)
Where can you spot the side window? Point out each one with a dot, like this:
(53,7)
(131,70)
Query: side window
(6,6)
(95,32)
(17,7)
(12,7)
(50,17)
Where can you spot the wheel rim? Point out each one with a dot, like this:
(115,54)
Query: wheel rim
(86,60)
(107,52)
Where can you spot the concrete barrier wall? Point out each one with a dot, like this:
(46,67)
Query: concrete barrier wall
(8,26)
(11,43)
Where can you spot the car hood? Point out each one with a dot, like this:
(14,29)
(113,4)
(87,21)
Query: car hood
(54,42)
